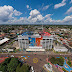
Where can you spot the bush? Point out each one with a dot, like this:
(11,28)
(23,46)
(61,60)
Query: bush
(59,61)
(69,63)
(53,60)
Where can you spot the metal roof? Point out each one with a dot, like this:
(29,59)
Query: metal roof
(3,40)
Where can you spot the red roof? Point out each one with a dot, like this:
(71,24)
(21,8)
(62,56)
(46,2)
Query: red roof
(47,34)
(61,39)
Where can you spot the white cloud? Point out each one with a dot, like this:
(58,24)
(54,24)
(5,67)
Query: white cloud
(6,13)
(35,16)
(45,7)
(17,13)
(60,4)
(27,6)
(40,19)
(67,19)
(71,1)
(34,12)
(69,11)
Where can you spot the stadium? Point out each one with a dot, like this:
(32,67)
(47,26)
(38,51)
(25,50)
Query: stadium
(35,41)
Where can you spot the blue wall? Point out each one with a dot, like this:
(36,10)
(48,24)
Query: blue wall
(32,41)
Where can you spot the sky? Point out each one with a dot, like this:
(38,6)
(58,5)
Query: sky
(36,12)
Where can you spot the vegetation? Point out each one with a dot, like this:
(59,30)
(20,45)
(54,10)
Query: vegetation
(59,61)
(69,62)
(23,68)
(13,65)
(64,70)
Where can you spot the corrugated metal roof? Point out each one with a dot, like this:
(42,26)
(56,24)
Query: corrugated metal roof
(3,40)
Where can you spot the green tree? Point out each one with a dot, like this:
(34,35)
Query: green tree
(53,60)
(7,60)
(18,68)
(3,68)
(13,64)
(23,68)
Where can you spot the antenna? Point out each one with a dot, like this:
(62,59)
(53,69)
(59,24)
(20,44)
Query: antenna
(42,26)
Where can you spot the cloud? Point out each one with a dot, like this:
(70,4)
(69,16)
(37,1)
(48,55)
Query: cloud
(45,7)
(17,13)
(60,4)
(34,12)
(35,16)
(27,6)
(39,19)
(7,12)
(69,11)
(71,1)
(67,19)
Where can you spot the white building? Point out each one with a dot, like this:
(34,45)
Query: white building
(60,49)
(35,42)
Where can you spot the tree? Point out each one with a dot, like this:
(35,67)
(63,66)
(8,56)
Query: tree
(18,68)
(7,60)
(53,60)
(3,66)
(59,61)
(13,64)
(23,68)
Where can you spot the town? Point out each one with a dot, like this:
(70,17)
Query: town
(35,35)
(42,47)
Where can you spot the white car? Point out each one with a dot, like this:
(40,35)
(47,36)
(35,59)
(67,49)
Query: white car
(12,55)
